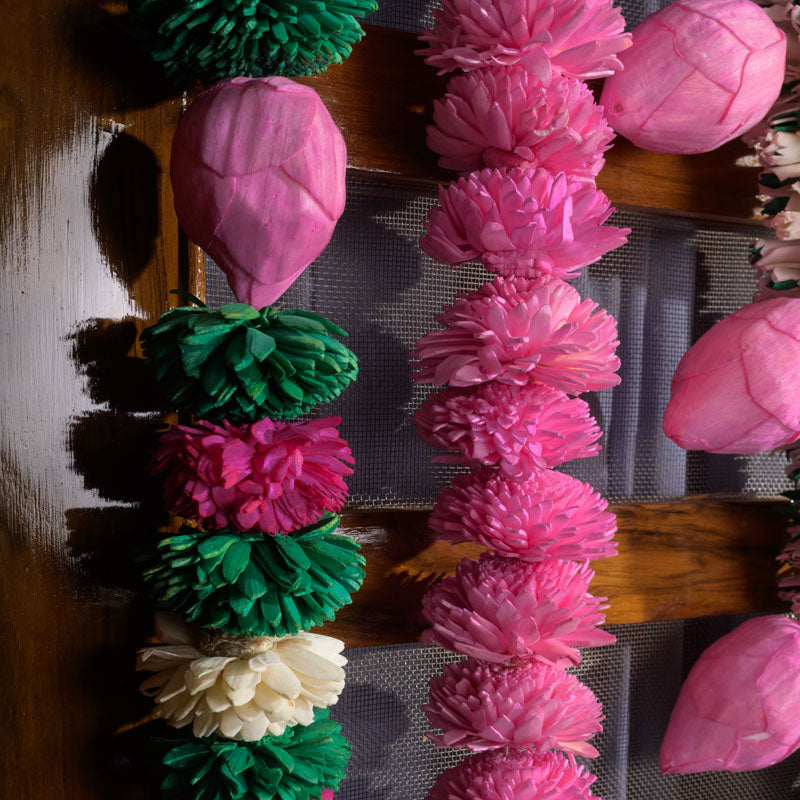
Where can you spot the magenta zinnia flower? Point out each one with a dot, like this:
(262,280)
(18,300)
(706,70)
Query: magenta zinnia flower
(507,118)
(272,476)
(518,428)
(487,706)
(524,222)
(499,775)
(580,38)
(550,515)
(505,610)
(518,331)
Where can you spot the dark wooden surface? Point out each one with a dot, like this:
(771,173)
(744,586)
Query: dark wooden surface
(678,560)
(89,250)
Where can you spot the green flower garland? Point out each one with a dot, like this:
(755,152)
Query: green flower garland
(216,39)
(297,765)
(256,584)
(241,364)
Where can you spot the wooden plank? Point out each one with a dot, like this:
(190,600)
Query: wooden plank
(89,251)
(677,560)
(382,99)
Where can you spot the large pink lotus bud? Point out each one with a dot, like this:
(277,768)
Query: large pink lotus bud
(551,515)
(487,706)
(519,331)
(580,38)
(699,73)
(504,610)
(507,118)
(520,428)
(737,389)
(521,776)
(737,709)
(258,170)
(521,222)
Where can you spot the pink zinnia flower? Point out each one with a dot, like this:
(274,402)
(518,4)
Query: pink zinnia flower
(518,331)
(580,38)
(524,222)
(487,706)
(551,515)
(272,476)
(508,118)
(505,610)
(499,775)
(518,428)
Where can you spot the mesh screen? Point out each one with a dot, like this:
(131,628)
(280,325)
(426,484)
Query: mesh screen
(415,15)
(637,680)
(672,280)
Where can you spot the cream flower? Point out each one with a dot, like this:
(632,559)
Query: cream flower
(237,687)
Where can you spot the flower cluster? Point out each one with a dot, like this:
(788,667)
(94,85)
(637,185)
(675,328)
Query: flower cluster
(241,688)
(580,38)
(274,476)
(499,775)
(518,428)
(518,331)
(487,706)
(507,118)
(549,515)
(504,610)
(525,222)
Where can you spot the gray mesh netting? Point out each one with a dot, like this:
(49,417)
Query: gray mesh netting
(636,679)
(673,279)
(415,15)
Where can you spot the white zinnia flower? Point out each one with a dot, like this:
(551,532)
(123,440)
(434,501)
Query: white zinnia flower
(240,688)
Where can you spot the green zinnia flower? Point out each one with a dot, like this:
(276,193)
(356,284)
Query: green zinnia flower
(216,39)
(297,765)
(240,364)
(257,584)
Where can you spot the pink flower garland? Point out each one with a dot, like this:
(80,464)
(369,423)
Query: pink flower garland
(510,353)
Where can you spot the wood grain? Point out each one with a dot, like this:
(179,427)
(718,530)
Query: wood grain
(677,560)
(89,250)
(382,99)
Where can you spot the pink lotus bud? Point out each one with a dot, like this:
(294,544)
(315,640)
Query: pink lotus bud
(699,73)
(580,38)
(488,706)
(507,118)
(737,709)
(527,223)
(258,171)
(501,775)
(737,389)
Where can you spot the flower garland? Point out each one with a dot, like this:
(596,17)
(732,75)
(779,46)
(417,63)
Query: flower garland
(257,561)
(736,709)
(514,354)
(211,40)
